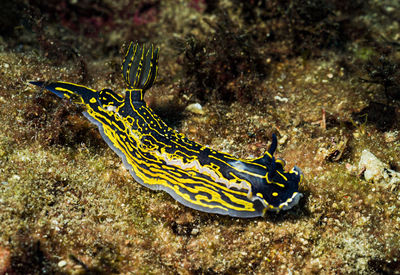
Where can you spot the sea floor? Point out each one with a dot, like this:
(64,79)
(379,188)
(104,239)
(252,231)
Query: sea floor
(68,205)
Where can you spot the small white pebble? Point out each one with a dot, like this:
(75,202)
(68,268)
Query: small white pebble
(375,170)
(329,75)
(195,108)
(6,65)
(372,166)
(62,263)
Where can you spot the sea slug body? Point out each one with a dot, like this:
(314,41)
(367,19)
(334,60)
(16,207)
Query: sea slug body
(161,158)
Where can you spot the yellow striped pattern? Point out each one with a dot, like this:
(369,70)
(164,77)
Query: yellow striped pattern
(161,158)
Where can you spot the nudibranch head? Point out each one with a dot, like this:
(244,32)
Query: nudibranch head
(278,189)
(281,191)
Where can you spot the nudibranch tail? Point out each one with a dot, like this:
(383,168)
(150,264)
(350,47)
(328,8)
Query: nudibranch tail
(161,158)
(78,93)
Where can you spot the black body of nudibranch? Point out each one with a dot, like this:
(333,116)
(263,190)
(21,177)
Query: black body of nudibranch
(161,158)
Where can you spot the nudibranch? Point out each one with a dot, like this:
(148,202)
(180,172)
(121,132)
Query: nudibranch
(161,158)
